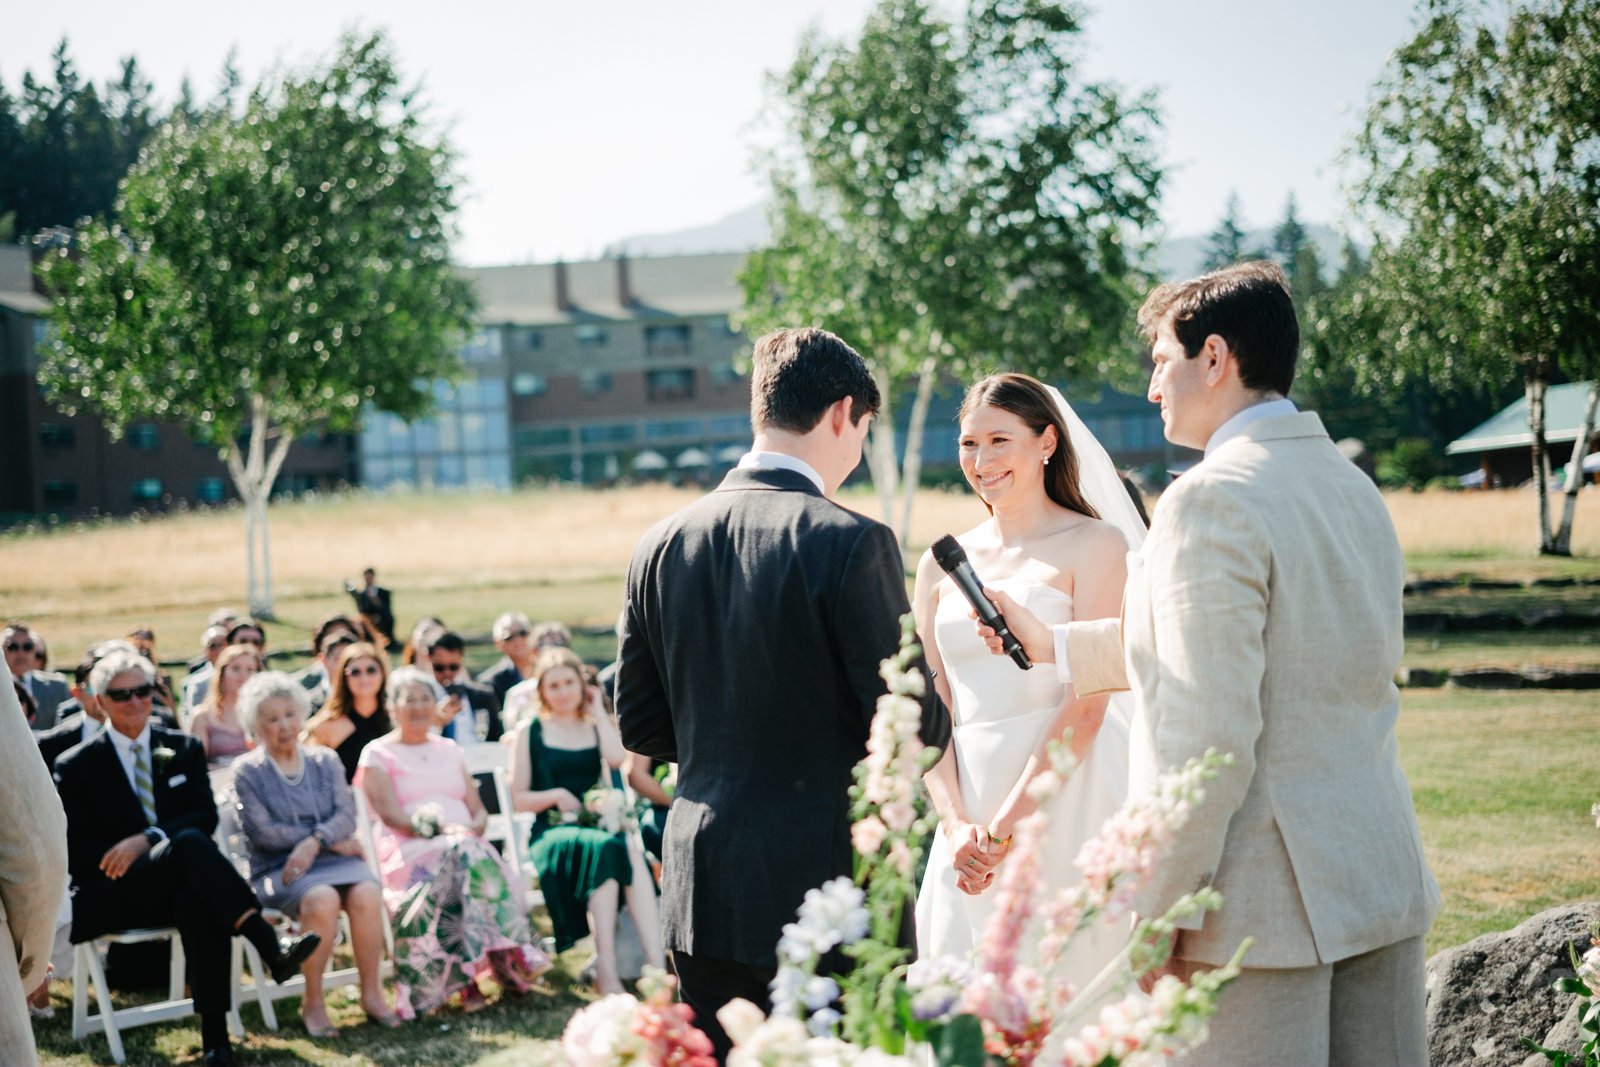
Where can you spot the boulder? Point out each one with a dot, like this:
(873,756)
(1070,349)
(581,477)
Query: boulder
(1487,993)
(1485,678)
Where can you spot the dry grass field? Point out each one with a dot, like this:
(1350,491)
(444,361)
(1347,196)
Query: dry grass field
(554,553)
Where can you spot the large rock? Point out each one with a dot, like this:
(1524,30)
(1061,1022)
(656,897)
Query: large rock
(1485,994)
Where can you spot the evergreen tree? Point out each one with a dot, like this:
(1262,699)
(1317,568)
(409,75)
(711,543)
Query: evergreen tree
(1226,243)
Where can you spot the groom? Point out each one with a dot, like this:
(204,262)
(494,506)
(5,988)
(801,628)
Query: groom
(1263,618)
(756,619)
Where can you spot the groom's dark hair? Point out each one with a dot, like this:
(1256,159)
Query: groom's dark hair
(1247,305)
(797,374)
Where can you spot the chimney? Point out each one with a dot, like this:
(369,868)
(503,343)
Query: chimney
(625,295)
(563,292)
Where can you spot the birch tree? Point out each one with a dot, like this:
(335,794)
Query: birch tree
(952,196)
(1480,182)
(271,273)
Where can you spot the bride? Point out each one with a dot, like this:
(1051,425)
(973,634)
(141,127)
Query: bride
(1056,541)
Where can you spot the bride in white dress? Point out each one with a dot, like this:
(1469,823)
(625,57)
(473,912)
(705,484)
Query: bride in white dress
(1050,489)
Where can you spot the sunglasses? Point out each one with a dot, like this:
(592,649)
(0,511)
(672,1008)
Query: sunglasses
(352,672)
(19,646)
(446,668)
(514,634)
(138,692)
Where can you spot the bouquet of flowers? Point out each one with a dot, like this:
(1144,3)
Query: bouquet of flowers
(1007,1005)
(427,820)
(621,1029)
(604,807)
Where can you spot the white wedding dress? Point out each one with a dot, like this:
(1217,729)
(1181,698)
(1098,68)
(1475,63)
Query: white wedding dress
(1000,713)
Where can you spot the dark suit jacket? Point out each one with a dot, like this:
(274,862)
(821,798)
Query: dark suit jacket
(49,691)
(102,809)
(500,677)
(480,698)
(755,623)
(68,733)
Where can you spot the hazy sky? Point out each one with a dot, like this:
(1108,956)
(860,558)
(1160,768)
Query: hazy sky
(581,123)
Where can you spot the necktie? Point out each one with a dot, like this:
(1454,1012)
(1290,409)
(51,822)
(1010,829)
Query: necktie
(141,784)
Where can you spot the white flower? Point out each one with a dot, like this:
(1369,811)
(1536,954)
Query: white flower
(739,1019)
(778,1042)
(822,1022)
(936,984)
(835,914)
(602,1034)
(818,992)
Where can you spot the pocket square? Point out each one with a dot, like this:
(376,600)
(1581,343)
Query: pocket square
(177,780)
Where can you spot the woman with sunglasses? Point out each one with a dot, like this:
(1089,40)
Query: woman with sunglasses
(356,713)
(216,723)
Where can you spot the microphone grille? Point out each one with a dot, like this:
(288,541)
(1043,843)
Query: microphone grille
(948,553)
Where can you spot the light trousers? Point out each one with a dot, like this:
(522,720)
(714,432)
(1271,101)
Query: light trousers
(16,1026)
(1365,1011)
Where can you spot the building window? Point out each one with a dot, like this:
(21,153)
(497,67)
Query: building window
(594,382)
(529,384)
(57,435)
(672,428)
(144,437)
(601,434)
(589,335)
(146,491)
(208,490)
(59,493)
(662,386)
(543,437)
(483,347)
(724,375)
(666,342)
(533,340)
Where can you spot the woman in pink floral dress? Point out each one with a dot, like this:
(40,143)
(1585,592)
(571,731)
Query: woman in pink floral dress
(459,910)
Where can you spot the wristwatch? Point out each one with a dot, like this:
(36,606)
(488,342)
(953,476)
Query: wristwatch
(316,835)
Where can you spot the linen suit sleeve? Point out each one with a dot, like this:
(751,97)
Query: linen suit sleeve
(1209,573)
(33,844)
(644,715)
(868,606)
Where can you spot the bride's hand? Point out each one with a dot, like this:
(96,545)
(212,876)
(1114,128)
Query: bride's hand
(973,857)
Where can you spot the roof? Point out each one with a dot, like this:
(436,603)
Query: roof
(29,302)
(668,286)
(1563,414)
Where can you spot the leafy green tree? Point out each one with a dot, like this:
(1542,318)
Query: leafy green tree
(1481,186)
(272,273)
(954,195)
(1225,245)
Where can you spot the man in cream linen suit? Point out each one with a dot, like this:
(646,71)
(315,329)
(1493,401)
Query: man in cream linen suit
(1263,618)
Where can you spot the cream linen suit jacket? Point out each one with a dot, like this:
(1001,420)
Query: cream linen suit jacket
(1263,618)
(33,873)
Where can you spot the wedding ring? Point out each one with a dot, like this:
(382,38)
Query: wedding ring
(971,862)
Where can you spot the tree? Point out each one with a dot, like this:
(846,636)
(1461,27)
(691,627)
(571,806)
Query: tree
(1481,185)
(954,196)
(272,273)
(1225,245)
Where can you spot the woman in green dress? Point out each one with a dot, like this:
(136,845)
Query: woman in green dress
(568,748)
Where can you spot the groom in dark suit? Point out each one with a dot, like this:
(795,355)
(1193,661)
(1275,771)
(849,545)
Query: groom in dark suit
(140,816)
(756,619)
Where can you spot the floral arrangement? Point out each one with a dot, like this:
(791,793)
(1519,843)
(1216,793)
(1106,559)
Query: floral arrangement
(427,820)
(1008,1005)
(620,1029)
(604,807)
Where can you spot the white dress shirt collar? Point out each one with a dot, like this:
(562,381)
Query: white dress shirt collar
(125,746)
(1235,426)
(781,461)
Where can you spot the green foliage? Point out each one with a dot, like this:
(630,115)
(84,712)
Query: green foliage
(293,257)
(1225,245)
(958,191)
(1412,463)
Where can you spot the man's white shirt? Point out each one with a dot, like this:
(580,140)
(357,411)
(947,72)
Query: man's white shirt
(781,461)
(126,747)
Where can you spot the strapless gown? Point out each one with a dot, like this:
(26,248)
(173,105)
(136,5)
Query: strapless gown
(1000,715)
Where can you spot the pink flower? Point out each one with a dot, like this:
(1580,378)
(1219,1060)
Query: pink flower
(867,835)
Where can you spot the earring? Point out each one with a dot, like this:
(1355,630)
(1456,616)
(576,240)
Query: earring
(1047,461)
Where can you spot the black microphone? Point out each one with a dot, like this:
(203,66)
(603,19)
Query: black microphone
(952,558)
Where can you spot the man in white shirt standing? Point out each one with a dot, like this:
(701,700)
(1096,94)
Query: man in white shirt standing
(1263,618)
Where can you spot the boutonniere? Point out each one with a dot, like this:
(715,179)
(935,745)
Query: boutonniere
(162,755)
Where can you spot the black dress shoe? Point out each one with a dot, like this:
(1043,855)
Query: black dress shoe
(292,952)
(221,1056)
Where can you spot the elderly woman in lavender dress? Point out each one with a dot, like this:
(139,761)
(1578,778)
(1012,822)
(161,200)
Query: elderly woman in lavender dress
(297,815)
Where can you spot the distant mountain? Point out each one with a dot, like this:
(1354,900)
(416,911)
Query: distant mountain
(746,229)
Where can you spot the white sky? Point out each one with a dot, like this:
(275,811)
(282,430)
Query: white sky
(581,123)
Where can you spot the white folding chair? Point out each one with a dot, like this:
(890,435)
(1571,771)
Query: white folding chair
(520,829)
(486,757)
(88,967)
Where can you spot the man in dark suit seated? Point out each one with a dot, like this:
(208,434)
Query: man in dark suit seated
(46,688)
(81,717)
(140,816)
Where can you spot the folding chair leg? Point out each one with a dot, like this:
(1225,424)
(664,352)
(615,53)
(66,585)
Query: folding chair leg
(108,1016)
(258,973)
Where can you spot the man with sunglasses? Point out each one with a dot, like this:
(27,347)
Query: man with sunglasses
(47,690)
(140,816)
(513,636)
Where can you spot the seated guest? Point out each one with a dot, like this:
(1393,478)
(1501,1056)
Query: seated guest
(355,714)
(143,639)
(221,619)
(140,816)
(520,700)
(298,817)
(513,637)
(46,690)
(471,712)
(87,720)
(30,710)
(452,923)
(198,683)
(331,637)
(246,631)
(216,723)
(567,748)
(422,637)
(551,635)
(41,654)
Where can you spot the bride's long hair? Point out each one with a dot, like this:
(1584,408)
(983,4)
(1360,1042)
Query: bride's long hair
(1028,400)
